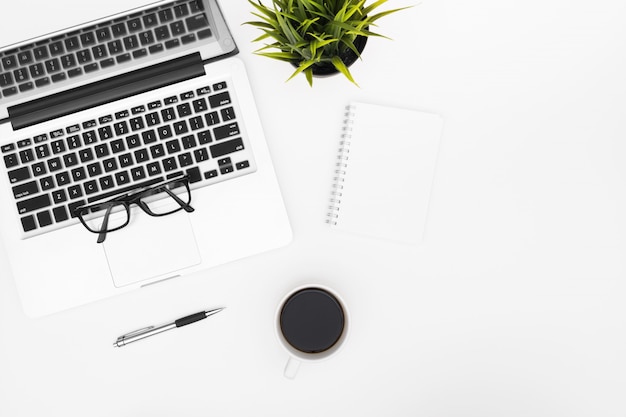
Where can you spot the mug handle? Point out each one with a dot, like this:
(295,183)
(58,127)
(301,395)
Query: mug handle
(291,368)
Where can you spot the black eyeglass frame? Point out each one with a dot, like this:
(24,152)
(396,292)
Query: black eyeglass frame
(126,200)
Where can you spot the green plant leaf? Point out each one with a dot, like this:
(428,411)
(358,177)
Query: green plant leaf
(341,67)
(309,76)
(303,66)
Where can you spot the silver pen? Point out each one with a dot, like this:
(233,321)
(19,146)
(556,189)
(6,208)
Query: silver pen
(152,330)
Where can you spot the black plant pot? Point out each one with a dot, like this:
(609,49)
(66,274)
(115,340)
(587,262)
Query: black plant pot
(348,57)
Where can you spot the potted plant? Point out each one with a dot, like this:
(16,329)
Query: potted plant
(318,37)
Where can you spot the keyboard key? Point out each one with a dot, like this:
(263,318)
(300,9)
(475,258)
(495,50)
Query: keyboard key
(141,155)
(40,138)
(117,146)
(28,223)
(196,22)
(73,142)
(228,113)
(165,132)
(226,131)
(91,187)
(109,164)
(219,86)
(183,109)
(115,47)
(26,86)
(149,136)
(153,119)
(105,119)
(9,91)
(68,61)
(140,53)
(172,146)
(94,169)
(194,175)
(75,192)
(46,183)
(156,48)
(58,146)
(153,169)
(60,214)
(27,156)
(125,160)
(72,207)
(42,151)
(107,63)
(42,82)
(131,42)
(150,20)
(6,79)
(88,38)
(33,204)
(138,110)
(62,178)
(99,52)
(118,29)
(168,114)
(166,15)
(242,165)
(26,189)
(122,178)
(72,43)
(56,48)
(196,6)
(181,10)
(21,75)
(36,70)
(212,118)
(177,28)
(134,25)
(86,155)
(23,143)
(53,65)
(25,57)
(133,141)
(204,137)
(54,164)
(136,123)
(19,174)
(84,56)
(123,58)
(138,173)
(90,68)
(70,159)
(105,133)
(196,123)
(40,53)
(226,148)
(173,43)
(9,62)
(103,34)
(185,159)
(78,174)
(220,99)
(59,77)
(157,151)
(121,128)
(146,38)
(169,164)
(203,34)
(75,72)
(187,39)
(39,169)
(162,33)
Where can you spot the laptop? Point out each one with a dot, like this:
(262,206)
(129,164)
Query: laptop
(110,113)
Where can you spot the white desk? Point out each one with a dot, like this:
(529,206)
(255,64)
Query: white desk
(513,306)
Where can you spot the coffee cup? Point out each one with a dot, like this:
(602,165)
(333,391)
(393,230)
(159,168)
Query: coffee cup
(312,324)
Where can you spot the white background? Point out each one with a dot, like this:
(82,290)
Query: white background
(514,304)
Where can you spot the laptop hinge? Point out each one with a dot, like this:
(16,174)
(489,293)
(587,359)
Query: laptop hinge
(106,91)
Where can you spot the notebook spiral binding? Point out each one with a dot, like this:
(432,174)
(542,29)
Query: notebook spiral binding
(340,167)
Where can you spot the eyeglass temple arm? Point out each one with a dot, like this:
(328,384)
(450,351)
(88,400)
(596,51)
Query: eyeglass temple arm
(184,205)
(105,224)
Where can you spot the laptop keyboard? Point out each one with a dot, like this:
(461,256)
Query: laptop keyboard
(109,44)
(196,133)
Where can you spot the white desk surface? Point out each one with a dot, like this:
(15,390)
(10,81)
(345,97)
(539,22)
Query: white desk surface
(513,306)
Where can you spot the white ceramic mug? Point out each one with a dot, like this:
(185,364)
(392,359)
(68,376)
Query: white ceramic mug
(290,303)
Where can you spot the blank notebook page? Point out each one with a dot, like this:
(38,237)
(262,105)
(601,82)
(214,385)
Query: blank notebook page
(385,174)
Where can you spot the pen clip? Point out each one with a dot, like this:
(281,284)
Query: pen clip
(135,333)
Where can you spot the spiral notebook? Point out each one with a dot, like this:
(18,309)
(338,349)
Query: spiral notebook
(385,171)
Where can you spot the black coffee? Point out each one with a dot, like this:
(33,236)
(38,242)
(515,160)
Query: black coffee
(312,320)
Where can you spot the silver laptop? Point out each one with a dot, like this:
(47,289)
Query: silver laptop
(132,152)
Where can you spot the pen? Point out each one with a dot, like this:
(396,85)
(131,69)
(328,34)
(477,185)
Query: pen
(152,330)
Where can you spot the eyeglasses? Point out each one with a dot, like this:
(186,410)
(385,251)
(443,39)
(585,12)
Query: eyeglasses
(159,200)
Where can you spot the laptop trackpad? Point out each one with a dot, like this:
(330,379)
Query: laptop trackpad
(151,247)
